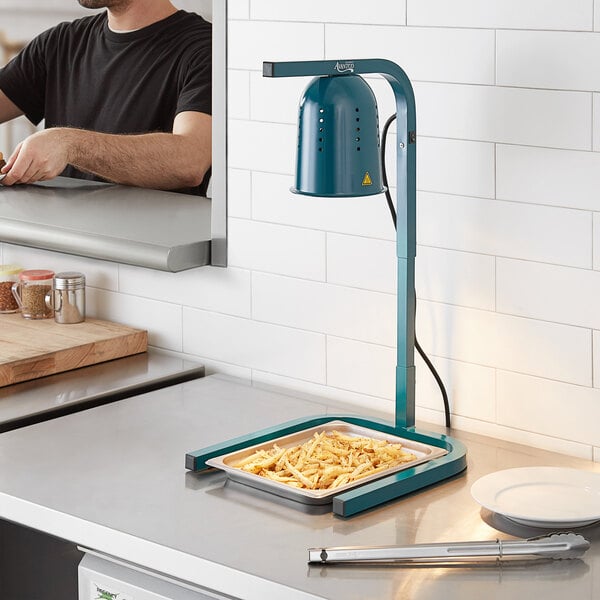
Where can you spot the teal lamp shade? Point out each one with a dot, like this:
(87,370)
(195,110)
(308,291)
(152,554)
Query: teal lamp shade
(338,139)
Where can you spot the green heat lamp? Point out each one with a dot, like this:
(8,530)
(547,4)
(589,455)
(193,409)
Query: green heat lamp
(338,139)
(339,155)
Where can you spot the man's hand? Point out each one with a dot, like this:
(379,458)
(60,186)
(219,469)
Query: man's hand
(43,155)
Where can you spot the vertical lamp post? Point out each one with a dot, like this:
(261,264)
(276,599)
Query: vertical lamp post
(339,156)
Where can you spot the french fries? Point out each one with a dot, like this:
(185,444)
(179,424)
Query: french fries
(326,461)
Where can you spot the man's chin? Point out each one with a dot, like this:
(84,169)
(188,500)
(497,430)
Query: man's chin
(92,3)
(100,3)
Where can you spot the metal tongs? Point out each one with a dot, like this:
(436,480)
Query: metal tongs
(555,546)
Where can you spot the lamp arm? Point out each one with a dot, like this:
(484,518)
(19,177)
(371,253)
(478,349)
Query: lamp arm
(406,244)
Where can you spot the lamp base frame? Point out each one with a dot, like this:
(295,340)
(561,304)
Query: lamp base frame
(370,494)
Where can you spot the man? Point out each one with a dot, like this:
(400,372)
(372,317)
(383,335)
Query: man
(125,94)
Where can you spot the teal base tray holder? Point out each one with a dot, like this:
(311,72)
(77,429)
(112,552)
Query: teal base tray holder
(371,494)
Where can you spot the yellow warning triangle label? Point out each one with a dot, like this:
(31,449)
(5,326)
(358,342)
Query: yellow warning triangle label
(367,179)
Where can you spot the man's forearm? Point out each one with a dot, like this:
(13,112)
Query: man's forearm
(157,160)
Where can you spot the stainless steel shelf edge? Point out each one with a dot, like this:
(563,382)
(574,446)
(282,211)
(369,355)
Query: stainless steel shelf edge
(116,223)
(106,248)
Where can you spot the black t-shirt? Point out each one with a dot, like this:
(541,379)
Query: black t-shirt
(81,74)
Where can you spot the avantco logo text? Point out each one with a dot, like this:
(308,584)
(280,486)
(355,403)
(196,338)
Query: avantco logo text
(344,67)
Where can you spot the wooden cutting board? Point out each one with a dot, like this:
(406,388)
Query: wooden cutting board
(35,348)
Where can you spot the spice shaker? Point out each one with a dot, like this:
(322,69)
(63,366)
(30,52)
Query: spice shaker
(67,299)
(30,292)
(9,274)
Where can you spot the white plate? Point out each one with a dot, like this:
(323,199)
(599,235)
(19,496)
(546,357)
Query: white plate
(541,496)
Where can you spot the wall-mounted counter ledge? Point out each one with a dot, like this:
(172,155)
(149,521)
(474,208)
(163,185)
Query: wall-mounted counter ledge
(143,227)
(23,404)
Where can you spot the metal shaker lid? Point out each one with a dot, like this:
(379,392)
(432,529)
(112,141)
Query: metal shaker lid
(69,280)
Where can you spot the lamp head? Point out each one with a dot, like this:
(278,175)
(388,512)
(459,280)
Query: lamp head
(338,139)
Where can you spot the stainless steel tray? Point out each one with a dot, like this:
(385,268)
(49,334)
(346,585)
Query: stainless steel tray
(423,453)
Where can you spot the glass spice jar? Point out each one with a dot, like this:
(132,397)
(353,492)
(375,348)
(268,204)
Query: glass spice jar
(30,292)
(9,274)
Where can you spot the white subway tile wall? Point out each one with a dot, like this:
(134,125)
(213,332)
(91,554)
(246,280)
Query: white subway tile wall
(532,117)
(518,230)
(524,398)
(455,167)
(239,182)
(568,178)
(332,309)
(508,161)
(350,261)
(548,59)
(426,54)
(596,120)
(536,347)
(290,251)
(286,350)
(239,9)
(361,367)
(503,14)
(347,11)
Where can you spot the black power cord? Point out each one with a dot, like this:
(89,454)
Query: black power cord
(390,204)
